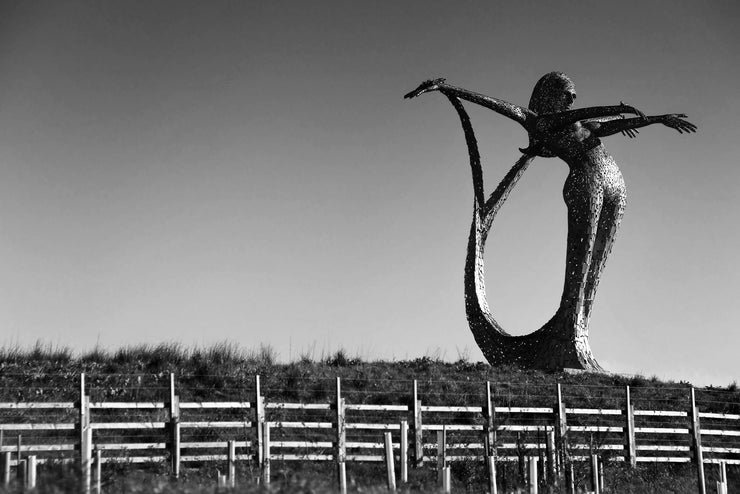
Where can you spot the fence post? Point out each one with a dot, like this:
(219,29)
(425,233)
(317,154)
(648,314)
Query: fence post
(696,443)
(174,429)
(404,456)
(540,454)
(446,480)
(561,428)
(341,453)
(85,436)
(7,455)
(31,475)
(533,481)
(595,474)
(390,468)
(570,478)
(259,419)
(722,484)
(550,448)
(441,453)
(492,489)
(231,457)
(629,431)
(418,436)
(489,431)
(98,472)
(343,478)
(265,453)
(520,458)
(21,473)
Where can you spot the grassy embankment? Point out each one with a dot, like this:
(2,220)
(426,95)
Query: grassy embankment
(225,372)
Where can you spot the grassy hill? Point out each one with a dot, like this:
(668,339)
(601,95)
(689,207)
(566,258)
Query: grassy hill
(226,372)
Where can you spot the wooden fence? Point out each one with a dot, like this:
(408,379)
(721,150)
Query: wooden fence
(262,431)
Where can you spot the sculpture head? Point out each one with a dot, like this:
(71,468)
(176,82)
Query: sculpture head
(554,92)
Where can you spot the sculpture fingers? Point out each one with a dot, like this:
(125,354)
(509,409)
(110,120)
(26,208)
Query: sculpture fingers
(425,87)
(689,126)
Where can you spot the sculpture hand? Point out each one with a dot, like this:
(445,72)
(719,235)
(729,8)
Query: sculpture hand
(425,87)
(632,109)
(676,121)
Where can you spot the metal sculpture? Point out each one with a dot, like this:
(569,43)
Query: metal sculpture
(594,194)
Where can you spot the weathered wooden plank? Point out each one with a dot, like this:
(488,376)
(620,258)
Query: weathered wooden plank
(37,427)
(134,459)
(595,428)
(299,457)
(721,449)
(524,409)
(663,459)
(42,461)
(128,425)
(213,444)
(588,458)
(223,457)
(299,406)
(648,447)
(375,458)
(660,413)
(126,405)
(457,446)
(377,408)
(523,445)
(455,409)
(368,445)
(215,404)
(39,447)
(129,446)
(524,428)
(600,447)
(662,430)
(301,444)
(376,427)
(40,405)
(726,416)
(593,411)
(717,432)
(303,425)
(454,427)
(236,424)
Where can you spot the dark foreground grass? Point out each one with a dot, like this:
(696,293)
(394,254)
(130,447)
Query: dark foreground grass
(226,371)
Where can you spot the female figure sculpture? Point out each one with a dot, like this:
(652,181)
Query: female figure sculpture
(594,193)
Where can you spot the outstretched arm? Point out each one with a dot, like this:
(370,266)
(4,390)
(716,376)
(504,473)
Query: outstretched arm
(561,119)
(629,126)
(514,112)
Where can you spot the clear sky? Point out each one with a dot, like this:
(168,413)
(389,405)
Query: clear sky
(199,171)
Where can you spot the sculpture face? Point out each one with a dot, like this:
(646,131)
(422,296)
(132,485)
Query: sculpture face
(554,92)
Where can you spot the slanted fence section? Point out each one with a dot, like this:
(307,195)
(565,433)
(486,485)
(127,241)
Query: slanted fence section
(188,420)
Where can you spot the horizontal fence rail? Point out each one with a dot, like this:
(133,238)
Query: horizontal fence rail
(556,427)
